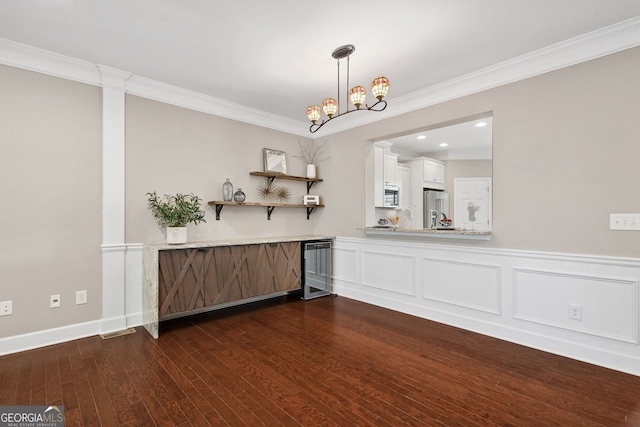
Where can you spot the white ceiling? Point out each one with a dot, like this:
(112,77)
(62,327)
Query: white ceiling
(464,140)
(275,56)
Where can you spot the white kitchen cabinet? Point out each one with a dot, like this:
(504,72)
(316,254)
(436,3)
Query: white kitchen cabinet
(390,169)
(404,184)
(429,172)
(385,172)
(433,174)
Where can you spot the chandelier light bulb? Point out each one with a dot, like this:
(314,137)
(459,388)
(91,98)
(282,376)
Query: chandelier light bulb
(380,87)
(358,94)
(330,106)
(313,113)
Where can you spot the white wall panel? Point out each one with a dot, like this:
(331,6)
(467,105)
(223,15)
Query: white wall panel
(390,272)
(464,284)
(344,265)
(609,305)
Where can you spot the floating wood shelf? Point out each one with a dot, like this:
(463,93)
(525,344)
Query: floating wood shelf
(219,204)
(271,176)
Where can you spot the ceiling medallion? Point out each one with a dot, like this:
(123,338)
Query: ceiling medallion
(357,94)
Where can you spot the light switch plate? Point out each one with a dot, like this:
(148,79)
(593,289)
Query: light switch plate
(624,222)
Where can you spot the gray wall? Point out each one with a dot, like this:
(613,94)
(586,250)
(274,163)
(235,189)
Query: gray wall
(171,149)
(51,215)
(565,155)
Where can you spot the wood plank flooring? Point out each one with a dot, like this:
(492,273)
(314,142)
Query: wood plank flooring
(328,361)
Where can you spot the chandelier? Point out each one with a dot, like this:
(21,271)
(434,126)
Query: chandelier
(357,94)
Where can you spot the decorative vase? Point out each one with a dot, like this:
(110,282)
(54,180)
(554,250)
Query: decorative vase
(311,171)
(227,191)
(239,196)
(176,235)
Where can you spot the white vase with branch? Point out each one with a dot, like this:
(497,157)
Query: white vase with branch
(312,154)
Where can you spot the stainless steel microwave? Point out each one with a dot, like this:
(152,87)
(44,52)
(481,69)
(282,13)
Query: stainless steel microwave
(391,196)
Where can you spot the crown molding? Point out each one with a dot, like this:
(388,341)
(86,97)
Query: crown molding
(599,43)
(162,92)
(605,41)
(43,61)
(113,78)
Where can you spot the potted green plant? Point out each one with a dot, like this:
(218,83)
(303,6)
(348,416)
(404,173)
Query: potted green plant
(174,212)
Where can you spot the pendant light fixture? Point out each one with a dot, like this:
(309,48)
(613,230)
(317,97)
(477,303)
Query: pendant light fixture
(357,94)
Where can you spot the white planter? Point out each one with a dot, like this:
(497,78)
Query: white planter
(176,235)
(311,171)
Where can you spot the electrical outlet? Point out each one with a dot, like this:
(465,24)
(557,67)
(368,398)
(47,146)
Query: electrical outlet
(6,308)
(81,297)
(624,222)
(55,301)
(575,311)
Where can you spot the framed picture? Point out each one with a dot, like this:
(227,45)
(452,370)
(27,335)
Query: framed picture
(275,161)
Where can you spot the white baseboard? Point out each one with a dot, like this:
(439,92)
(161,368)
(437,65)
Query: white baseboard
(29,341)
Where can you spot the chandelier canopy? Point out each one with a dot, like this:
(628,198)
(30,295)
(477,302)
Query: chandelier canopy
(357,94)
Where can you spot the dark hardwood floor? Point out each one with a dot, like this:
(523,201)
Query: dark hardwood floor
(328,361)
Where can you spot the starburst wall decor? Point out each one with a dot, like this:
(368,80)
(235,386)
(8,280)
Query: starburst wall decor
(282,193)
(268,191)
(265,189)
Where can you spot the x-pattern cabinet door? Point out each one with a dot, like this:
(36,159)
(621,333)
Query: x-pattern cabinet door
(192,279)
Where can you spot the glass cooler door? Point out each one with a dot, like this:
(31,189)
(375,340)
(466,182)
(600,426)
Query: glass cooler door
(317,269)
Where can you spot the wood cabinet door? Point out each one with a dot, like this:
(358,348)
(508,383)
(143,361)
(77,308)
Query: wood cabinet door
(181,284)
(191,279)
(225,276)
(239,272)
(287,266)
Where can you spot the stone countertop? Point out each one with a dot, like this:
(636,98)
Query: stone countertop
(430,232)
(235,242)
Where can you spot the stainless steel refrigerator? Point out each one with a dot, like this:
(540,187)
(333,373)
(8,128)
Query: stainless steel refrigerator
(436,209)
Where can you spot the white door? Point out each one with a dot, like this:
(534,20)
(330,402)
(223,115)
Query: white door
(472,203)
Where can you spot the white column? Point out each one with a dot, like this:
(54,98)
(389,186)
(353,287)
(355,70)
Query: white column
(113,199)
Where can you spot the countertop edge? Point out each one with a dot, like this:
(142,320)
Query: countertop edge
(428,232)
(237,242)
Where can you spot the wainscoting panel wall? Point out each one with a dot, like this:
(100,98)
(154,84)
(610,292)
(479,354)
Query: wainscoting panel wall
(580,306)
(606,306)
(345,265)
(390,272)
(464,284)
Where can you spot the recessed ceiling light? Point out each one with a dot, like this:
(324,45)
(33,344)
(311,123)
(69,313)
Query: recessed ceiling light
(481,124)
(443,144)
(422,137)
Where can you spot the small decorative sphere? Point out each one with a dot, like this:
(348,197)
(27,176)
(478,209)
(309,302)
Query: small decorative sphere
(239,196)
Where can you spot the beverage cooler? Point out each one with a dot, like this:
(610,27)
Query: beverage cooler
(316,269)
